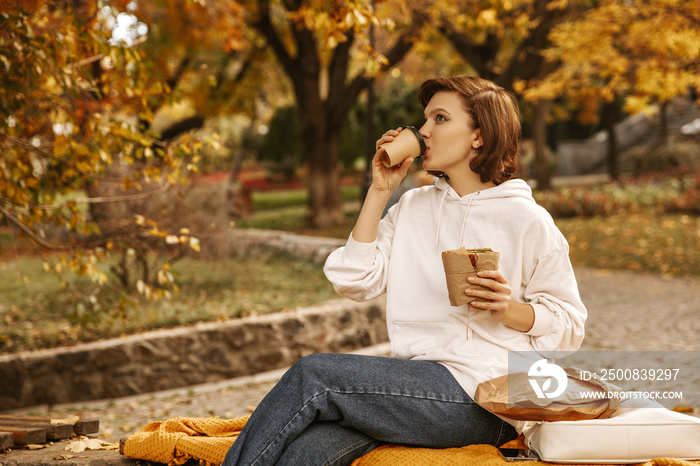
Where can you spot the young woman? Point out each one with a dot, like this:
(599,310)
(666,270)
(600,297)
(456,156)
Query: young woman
(330,409)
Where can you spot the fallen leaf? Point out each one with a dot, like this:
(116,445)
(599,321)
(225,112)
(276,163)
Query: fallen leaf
(85,443)
(69,420)
(64,457)
(684,409)
(34,446)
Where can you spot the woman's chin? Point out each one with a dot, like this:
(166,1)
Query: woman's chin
(431,168)
(427,165)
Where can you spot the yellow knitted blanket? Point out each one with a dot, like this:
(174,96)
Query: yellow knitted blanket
(207,440)
(179,439)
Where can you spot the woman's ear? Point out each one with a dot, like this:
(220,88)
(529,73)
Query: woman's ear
(477,142)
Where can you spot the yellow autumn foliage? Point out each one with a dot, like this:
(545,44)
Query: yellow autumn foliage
(648,52)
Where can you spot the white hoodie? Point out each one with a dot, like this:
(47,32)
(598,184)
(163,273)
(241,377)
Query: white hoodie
(405,262)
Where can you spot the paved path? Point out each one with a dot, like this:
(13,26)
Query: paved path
(627,312)
(638,312)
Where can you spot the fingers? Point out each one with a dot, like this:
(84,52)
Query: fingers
(403,167)
(494,296)
(488,300)
(493,274)
(492,279)
(388,137)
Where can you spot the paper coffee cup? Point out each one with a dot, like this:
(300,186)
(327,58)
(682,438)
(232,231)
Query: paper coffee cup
(409,143)
(460,264)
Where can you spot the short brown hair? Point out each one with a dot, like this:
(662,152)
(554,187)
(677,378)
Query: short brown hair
(495,112)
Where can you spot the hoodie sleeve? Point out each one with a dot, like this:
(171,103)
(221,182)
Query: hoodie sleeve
(559,313)
(359,270)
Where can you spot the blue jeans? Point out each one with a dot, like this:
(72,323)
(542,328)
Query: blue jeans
(330,409)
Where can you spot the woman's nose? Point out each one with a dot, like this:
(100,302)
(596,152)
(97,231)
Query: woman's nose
(423,131)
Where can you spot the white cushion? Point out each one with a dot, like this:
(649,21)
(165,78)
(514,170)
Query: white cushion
(632,435)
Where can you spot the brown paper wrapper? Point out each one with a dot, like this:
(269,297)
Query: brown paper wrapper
(512,396)
(460,264)
(407,144)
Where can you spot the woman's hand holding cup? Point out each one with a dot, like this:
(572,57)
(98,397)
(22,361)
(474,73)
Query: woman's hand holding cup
(385,177)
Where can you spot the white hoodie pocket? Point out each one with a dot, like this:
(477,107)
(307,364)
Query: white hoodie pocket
(416,339)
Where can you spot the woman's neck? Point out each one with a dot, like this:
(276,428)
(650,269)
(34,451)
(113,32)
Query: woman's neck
(468,183)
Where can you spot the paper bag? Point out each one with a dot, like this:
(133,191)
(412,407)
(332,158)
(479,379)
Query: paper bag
(460,264)
(512,396)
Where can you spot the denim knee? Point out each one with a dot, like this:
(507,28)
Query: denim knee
(314,367)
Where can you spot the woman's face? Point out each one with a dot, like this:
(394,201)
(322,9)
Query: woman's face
(448,134)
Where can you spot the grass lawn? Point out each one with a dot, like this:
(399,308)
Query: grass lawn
(37,312)
(665,244)
(285,210)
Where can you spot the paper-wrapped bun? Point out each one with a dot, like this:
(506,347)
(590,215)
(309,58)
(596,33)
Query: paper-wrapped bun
(460,264)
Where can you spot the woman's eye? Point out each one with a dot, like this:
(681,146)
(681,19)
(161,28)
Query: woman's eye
(440,118)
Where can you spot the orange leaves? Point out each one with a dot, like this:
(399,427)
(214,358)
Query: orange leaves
(640,242)
(648,53)
(184,238)
(181,24)
(334,23)
(73,104)
(487,18)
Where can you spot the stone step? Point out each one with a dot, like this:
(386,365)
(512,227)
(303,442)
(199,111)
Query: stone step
(7,440)
(25,435)
(54,429)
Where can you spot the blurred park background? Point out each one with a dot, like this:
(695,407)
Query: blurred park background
(133,133)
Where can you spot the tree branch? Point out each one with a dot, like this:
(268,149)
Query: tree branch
(528,62)
(175,78)
(29,232)
(395,54)
(482,57)
(182,126)
(106,200)
(264,25)
(241,72)
(337,73)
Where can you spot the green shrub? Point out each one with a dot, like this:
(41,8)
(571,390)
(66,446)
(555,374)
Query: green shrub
(688,201)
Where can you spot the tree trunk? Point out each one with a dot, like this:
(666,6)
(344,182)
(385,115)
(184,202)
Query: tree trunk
(609,120)
(369,143)
(239,199)
(321,138)
(322,113)
(663,125)
(324,200)
(539,136)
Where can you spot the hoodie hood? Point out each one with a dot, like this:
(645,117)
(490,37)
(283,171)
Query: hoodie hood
(509,189)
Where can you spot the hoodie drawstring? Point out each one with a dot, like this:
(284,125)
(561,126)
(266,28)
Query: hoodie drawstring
(464,220)
(437,233)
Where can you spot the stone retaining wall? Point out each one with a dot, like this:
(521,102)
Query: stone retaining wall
(242,241)
(203,353)
(185,356)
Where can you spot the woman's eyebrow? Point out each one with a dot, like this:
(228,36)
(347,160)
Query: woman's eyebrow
(436,110)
